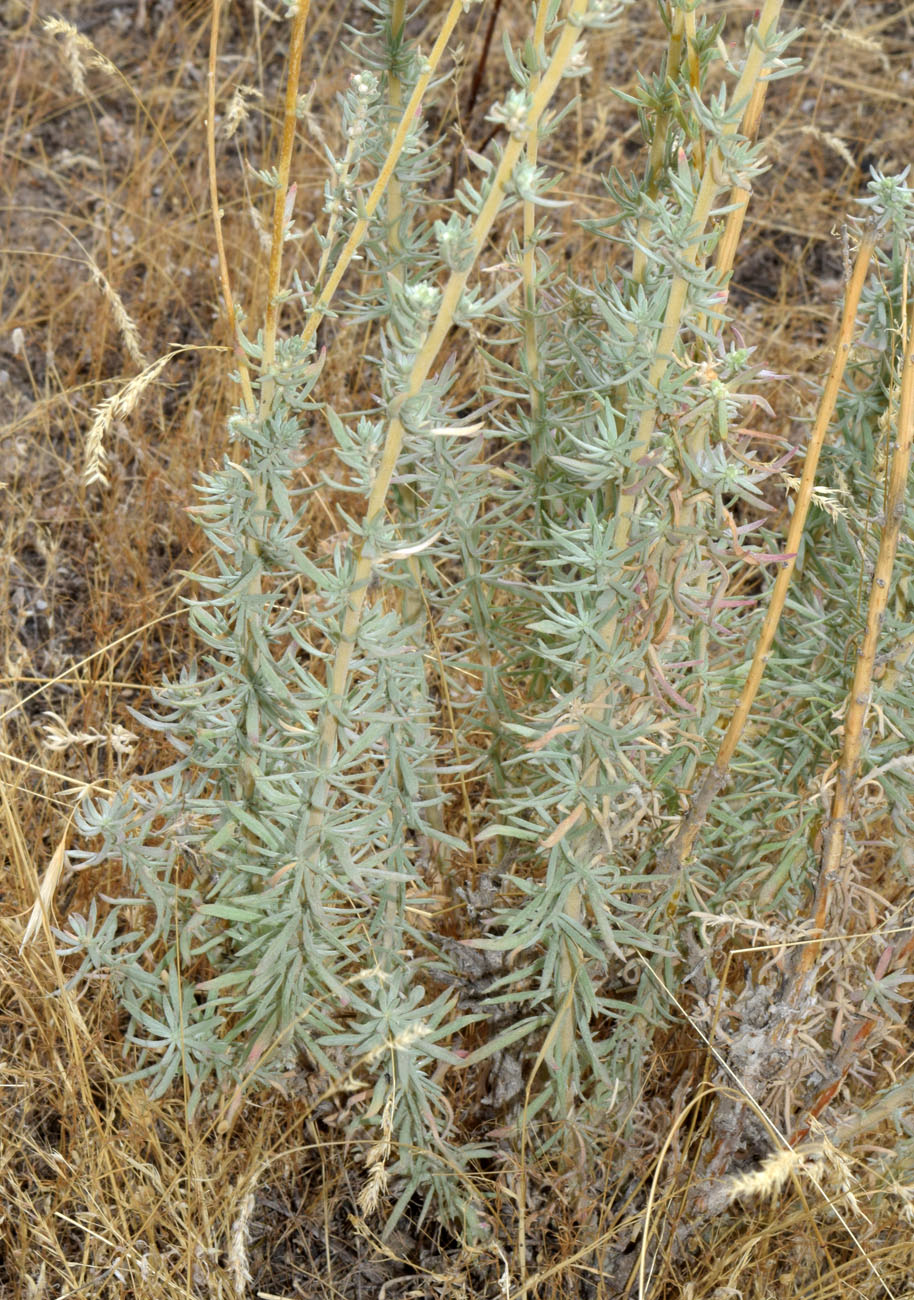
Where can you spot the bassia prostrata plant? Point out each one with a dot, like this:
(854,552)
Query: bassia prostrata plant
(542,592)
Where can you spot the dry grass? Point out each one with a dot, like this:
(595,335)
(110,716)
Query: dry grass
(107,262)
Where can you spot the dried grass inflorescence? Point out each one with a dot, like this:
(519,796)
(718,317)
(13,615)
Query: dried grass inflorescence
(432,828)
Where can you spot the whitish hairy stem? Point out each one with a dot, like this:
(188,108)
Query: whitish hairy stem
(708,190)
(400,136)
(657,151)
(738,202)
(531,342)
(450,298)
(569,964)
(709,187)
(651,189)
(413,607)
(395,99)
(862,689)
(752,73)
(681,847)
(281,220)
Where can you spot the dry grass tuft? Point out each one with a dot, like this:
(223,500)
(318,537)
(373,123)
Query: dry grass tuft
(104,1192)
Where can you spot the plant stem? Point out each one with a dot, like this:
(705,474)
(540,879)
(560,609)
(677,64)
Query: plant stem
(708,190)
(531,348)
(240,359)
(450,299)
(360,228)
(657,150)
(861,692)
(251,651)
(413,606)
(750,76)
(281,217)
(681,847)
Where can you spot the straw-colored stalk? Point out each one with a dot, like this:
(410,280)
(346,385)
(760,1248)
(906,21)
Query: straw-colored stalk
(528,264)
(751,79)
(393,442)
(709,187)
(282,198)
(658,149)
(380,186)
(413,605)
(861,692)
(738,203)
(571,955)
(681,847)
